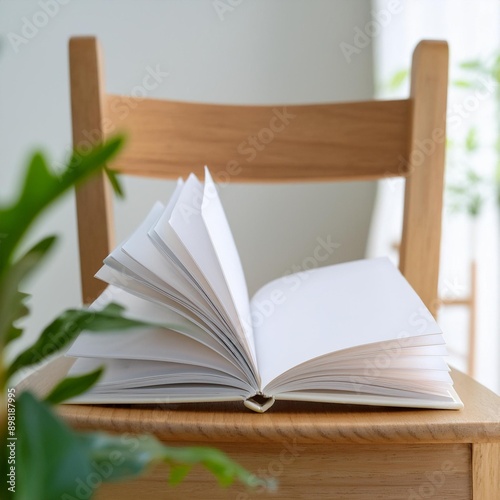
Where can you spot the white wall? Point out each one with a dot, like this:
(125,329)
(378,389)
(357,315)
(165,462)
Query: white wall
(263,51)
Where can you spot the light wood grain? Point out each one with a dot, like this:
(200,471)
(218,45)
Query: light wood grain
(470,301)
(94,198)
(472,341)
(421,239)
(361,140)
(486,470)
(478,422)
(328,471)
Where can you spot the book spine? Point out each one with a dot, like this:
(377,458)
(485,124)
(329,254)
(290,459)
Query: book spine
(259,403)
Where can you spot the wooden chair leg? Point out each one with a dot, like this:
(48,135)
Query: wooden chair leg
(486,471)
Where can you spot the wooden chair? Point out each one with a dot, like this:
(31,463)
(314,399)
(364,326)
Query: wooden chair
(314,450)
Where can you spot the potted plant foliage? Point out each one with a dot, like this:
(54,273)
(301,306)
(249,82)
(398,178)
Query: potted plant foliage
(45,459)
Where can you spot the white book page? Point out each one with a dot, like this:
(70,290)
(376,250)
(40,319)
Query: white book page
(154,267)
(300,317)
(168,238)
(139,302)
(227,255)
(142,309)
(139,255)
(184,342)
(123,374)
(206,244)
(451,402)
(154,344)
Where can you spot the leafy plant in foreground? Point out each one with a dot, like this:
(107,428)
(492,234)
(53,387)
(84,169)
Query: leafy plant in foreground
(50,459)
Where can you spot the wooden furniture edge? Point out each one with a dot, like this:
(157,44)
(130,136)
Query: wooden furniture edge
(419,252)
(94,198)
(306,423)
(324,471)
(224,134)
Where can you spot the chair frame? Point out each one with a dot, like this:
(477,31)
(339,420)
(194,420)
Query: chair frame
(321,142)
(315,450)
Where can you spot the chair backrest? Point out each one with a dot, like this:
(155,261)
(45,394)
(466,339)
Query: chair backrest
(343,141)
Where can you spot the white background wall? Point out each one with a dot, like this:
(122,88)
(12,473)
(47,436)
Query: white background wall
(263,51)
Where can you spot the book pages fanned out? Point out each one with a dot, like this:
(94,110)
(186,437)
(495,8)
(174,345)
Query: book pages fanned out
(353,333)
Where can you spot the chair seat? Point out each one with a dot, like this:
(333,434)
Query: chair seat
(314,450)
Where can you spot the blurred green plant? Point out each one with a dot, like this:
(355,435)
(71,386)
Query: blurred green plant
(51,460)
(466,187)
(398,79)
(489,69)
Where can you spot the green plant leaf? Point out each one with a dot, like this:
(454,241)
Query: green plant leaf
(66,327)
(41,187)
(457,189)
(83,163)
(115,182)
(218,463)
(495,70)
(12,333)
(22,311)
(398,79)
(51,460)
(473,177)
(471,141)
(475,205)
(124,456)
(12,305)
(73,386)
(465,84)
(473,64)
(178,473)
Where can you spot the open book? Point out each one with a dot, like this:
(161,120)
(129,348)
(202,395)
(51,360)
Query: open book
(349,333)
